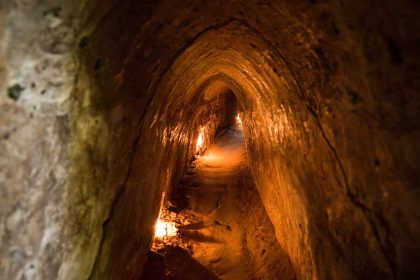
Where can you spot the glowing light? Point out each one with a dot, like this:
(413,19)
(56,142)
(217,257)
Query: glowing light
(238,119)
(200,139)
(163,229)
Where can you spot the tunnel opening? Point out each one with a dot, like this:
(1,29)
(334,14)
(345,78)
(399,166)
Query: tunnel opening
(212,223)
(215,110)
(104,105)
(287,127)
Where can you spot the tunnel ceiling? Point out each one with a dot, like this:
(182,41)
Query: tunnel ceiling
(325,91)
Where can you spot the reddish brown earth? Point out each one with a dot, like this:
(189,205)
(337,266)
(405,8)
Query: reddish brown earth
(101,102)
(224,230)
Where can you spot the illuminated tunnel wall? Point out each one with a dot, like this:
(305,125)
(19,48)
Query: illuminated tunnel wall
(327,99)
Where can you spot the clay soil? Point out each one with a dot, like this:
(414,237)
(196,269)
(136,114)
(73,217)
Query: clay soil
(224,231)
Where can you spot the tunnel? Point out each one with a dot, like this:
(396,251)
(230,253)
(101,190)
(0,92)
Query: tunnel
(277,139)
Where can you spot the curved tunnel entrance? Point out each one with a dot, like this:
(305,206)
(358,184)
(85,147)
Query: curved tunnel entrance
(105,103)
(212,224)
(293,124)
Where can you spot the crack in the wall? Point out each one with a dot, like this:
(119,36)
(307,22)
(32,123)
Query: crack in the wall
(365,210)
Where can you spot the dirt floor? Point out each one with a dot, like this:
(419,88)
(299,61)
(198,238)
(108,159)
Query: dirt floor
(223,228)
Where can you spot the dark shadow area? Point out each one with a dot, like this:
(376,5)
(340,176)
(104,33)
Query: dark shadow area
(174,263)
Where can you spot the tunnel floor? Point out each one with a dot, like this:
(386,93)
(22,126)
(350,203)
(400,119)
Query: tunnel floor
(223,229)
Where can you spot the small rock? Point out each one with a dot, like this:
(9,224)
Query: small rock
(15,91)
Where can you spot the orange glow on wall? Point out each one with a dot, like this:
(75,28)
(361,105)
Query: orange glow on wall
(200,139)
(238,119)
(164,229)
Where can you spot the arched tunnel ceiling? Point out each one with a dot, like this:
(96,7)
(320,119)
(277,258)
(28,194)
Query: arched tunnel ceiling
(328,102)
(237,55)
(297,93)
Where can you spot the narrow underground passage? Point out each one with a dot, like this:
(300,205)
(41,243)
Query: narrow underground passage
(214,225)
(102,104)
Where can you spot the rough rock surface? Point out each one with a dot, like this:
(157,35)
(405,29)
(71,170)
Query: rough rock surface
(98,116)
(37,77)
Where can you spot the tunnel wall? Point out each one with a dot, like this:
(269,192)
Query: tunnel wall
(164,145)
(38,66)
(327,92)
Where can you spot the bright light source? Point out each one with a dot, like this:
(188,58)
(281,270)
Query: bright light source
(165,229)
(238,119)
(200,139)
